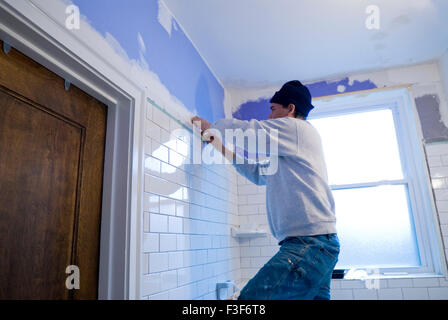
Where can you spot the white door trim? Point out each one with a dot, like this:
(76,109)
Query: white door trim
(28,29)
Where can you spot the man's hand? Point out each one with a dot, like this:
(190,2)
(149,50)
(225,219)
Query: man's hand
(205,125)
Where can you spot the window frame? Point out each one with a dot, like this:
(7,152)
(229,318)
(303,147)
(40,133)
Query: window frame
(416,175)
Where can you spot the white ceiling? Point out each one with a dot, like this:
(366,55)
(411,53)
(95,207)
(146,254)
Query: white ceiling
(258,43)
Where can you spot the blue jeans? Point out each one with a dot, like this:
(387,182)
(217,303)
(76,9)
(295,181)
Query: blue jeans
(300,270)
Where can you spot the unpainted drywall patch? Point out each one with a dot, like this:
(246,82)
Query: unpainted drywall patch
(429,113)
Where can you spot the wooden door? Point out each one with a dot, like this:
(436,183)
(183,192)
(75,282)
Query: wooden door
(51,172)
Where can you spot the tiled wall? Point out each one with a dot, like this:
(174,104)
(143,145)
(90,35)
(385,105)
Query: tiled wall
(187,217)
(257,251)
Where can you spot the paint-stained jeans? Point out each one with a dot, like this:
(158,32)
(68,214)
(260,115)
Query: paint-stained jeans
(300,270)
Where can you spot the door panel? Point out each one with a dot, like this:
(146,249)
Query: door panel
(51,171)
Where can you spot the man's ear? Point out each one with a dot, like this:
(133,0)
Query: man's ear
(292,108)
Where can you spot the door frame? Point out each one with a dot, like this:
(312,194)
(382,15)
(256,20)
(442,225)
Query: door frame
(35,33)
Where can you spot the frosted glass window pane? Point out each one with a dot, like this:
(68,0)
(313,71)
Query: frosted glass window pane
(375,228)
(360,147)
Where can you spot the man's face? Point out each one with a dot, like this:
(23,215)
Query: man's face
(278,111)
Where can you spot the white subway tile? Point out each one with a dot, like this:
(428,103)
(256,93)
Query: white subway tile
(167,206)
(151,283)
(256,199)
(169,280)
(145,221)
(145,263)
(262,209)
(443,217)
(162,187)
(208,270)
(152,131)
(152,166)
(160,118)
(176,159)
(438,172)
(353,284)
(247,189)
(175,225)
(150,242)
(341,294)
(390,294)
(445,160)
(335,284)
(438,293)
(441,194)
(443,282)
(415,293)
(269,251)
(444,228)
(242,200)
(149,111)
(188,292)
(158,223)
(425,282)
(202,257)
(258,262)
(184,276)
(435,161)
(188,258)
(183,242)
(365,294)
(399,283)
(203,286)
(437,149)
(159,296)
(442,205)
(249,272)
(439,183)
(158,262)
(182,209)
(147,145)
(259,241)
(147,183)
(211,255)
(166,140)
(248,209)
(250,251)
(159,151)
(151,203)
(175,260)
(183,148)
(168,242)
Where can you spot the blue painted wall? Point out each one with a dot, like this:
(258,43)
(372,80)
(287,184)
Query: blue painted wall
(260,108)
(173,58)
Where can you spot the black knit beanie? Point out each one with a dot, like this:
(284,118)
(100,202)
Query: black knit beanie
(294,92)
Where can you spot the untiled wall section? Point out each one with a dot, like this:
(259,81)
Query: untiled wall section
(188,213)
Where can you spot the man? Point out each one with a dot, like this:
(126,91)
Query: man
(300,206)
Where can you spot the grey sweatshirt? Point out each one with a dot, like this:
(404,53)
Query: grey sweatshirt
(298,199)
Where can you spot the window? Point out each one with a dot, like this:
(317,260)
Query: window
(378,176)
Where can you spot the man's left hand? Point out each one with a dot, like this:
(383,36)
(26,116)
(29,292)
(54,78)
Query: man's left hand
(205,125)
